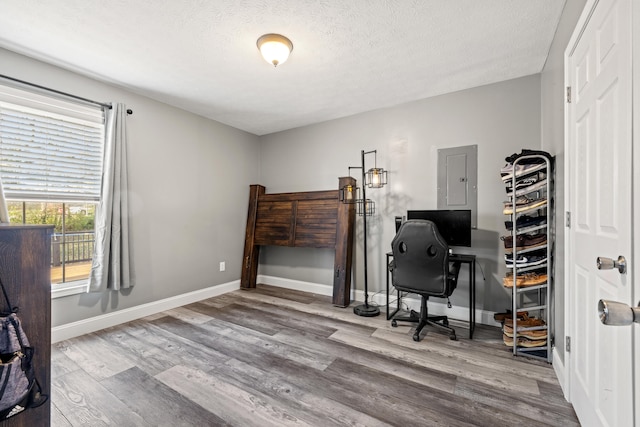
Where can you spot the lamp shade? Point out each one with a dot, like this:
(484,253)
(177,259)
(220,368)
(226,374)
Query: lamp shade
(275,48)
(365,207)
(349,194)
(376,178)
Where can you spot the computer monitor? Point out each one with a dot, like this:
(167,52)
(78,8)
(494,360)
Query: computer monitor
(454,225)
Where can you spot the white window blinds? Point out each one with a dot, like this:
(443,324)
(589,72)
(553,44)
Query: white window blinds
(50,149)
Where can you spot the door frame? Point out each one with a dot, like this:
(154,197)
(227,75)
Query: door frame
(635,120)
(563,372)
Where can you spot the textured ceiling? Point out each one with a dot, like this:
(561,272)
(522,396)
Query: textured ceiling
(349,56)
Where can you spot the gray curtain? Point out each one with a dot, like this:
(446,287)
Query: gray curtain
(111,267)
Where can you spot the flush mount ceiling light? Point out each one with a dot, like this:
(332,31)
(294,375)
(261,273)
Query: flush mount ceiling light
(275,48)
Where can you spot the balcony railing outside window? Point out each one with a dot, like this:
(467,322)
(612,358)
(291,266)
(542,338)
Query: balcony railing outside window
(71,247)
(73,238)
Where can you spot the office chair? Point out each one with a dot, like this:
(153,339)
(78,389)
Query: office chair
(421,265)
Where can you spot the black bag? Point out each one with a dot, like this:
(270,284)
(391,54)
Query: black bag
(19,388)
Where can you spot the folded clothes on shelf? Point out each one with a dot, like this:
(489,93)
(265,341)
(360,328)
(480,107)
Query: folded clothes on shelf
(527,152)
(524,165)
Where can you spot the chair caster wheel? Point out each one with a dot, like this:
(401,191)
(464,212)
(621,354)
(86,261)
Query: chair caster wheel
(414,314)
(416,337)
(452,337)
(394,324)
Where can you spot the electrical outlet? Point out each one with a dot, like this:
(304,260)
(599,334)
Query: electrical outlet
(222,266)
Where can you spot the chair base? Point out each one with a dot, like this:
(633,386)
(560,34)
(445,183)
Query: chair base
(423,319)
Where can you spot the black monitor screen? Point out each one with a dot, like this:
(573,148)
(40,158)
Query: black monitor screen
(453,225)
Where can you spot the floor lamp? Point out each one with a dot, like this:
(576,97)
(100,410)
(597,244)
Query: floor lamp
(372,178)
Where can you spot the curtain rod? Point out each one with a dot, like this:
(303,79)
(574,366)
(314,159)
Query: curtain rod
(48,89)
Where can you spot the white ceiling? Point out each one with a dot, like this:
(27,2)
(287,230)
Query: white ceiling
(349,56)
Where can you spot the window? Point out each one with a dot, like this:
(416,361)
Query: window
(51,168)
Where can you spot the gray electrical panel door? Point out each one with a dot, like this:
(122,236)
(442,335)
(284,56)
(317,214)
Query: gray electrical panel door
(458,179)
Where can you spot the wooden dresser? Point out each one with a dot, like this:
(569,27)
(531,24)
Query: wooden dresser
(25,270)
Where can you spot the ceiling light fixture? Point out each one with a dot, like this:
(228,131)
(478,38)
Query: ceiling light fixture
(275,48)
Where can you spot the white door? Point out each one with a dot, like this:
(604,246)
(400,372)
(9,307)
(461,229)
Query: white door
(599,190)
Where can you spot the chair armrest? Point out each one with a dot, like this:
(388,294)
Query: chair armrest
(454,270)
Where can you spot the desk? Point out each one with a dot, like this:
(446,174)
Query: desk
(462,258)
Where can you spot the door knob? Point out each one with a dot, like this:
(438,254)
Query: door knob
(609,264)
(617,313)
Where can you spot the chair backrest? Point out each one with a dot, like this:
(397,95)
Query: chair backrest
(421,260)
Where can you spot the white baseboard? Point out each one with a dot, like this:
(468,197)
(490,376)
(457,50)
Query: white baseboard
(86,326)
(435,307)
(81,327)
(561,373)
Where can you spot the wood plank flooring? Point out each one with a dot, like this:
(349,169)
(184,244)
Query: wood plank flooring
(276,357)
(74,271)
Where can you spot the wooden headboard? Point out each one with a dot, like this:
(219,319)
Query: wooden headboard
(315,219)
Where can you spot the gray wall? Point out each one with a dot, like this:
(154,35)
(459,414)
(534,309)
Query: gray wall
(189,180)
(185,222)
(500,118)
(553,98)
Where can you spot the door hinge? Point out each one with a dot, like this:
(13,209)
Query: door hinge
(568,219)
(568,94)
(567,346)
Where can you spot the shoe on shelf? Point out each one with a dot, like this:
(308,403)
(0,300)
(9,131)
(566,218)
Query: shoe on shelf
(526,181)
(533,204)
(508,281)
(520,169)
(521,260)
(508,241)
(524,280)
(526,188)
(524,342)
(526,323)
(524,241)
(527,257)
(537,334)
(525,221)
(534,279)
(524,261)
(521,201)
(522,183)
(500,317)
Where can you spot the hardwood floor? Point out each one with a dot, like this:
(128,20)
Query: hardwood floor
(276,357)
